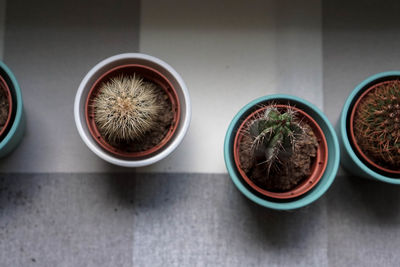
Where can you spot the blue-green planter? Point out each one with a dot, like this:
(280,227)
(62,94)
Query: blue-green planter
(350,160)
(16,132)
(333,154)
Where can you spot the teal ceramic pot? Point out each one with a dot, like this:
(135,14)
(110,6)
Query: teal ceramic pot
(17,127)
(328,175)
(350,159)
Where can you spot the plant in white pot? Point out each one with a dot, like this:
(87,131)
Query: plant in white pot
(132,109)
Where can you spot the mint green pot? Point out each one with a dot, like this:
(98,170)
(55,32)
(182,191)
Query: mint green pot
(333,154)
(350,161)
(16,132)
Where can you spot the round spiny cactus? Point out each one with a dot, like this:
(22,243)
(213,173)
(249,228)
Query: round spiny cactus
(377,124)
(274,135)
(126,108)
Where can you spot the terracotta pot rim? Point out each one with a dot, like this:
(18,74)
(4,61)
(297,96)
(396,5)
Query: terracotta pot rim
(352,135)
(318,168)
(4,86)
(169,90)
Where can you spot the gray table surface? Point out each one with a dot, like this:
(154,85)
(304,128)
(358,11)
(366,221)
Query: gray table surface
(61,206)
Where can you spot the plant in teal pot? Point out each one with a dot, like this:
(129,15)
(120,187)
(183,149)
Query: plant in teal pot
(369,128)
(12,122)
(281,152)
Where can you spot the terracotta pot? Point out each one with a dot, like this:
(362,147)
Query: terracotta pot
(353,139)
(4,87)
(318,166)
(149,74)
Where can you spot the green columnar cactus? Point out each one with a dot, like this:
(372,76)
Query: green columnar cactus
(274,135)
(377,124)
(126,108)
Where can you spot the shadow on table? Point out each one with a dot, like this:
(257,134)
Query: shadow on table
(146,190)
(282,229)
(370,201)
(122,186)
(210,203)
(16,191)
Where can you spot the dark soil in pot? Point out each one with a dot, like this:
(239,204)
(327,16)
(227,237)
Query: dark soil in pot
(290,173)
(4,108)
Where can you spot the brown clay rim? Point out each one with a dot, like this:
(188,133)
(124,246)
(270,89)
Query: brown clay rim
(149,74)
(317,169)
(6,89)
(353,138)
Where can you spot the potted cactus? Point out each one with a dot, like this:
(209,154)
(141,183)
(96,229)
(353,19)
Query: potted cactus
(370,128)
(132,109)
(12,122)
(281,152)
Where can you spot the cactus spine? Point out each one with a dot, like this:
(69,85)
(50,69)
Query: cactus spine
(377,124)
(126,108)
(274,135)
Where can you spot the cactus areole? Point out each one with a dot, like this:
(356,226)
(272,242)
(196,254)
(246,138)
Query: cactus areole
(375,127)
(280,151)
(132,111)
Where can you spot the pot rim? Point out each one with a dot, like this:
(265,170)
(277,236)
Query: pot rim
(318,167)
(354,139)
(173,96)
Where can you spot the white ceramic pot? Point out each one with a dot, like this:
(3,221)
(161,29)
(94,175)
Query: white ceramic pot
(122,59)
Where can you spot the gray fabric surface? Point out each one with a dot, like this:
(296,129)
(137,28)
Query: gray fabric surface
(64,220)
(189,220)
(363,223)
